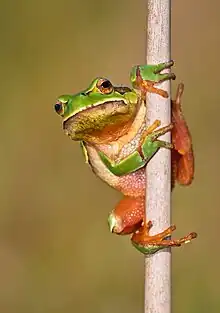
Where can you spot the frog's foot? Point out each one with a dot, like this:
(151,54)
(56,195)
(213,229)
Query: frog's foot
(153,133)
(163,77)
(182,157)
(150,244)
(159,132)
(149,142)
(127,216)
(147,76)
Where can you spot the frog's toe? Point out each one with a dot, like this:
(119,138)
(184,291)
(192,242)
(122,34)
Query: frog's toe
(169,64)
(162,66)
(166,76)
(171,76)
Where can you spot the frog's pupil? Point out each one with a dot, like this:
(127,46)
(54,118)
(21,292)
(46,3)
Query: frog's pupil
(106,84)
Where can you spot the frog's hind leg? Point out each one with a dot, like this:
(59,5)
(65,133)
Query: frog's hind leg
(127,216)
(182,155)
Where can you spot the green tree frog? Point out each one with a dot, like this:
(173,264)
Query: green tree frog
(110,124)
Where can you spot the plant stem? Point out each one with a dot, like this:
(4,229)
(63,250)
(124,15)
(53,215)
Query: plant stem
(158,196)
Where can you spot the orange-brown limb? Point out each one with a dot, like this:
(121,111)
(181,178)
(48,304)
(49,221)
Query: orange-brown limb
(182,154)
(142,237)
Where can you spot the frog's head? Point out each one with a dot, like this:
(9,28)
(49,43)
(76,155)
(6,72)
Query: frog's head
(100,114)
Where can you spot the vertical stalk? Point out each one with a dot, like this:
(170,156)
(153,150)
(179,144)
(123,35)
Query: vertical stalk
(158,195)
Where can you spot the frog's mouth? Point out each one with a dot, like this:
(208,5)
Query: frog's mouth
(106,119)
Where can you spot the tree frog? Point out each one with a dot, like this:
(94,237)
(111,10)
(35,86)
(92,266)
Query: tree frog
(110,124)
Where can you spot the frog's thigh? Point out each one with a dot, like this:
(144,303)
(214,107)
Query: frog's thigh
(130,211)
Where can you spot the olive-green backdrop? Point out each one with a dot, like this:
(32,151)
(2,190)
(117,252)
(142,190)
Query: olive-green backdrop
(56,253)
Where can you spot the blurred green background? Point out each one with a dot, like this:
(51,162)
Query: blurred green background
(56,253)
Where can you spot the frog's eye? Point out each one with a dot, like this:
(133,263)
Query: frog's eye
(59,107)
(104,86)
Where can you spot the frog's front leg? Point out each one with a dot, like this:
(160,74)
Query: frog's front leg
(148,146)
(144,77)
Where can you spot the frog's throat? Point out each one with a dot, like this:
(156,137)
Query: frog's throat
(112,115)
